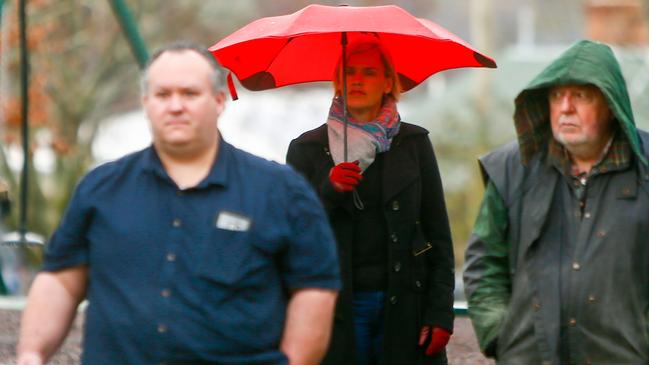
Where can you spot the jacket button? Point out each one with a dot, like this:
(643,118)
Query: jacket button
(418,283)
(591,299)
(394,238)
(572,322)
(393,299)
(395,205)
(576,266)
(397,267)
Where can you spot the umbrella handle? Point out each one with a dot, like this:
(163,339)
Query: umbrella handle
(343,43)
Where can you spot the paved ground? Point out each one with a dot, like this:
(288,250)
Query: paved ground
(462,349)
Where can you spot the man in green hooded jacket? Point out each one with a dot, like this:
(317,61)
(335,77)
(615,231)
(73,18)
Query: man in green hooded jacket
(557,267)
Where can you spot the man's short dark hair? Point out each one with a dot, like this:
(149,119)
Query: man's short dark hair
(217,77)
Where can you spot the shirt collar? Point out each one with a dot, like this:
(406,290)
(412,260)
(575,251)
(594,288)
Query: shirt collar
(615,156)
(218,174)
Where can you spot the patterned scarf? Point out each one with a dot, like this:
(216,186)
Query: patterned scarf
(364,140)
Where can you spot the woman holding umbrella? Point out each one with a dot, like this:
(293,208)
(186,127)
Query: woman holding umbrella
(388,212)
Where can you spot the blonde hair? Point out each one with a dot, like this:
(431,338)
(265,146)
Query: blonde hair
(368,43)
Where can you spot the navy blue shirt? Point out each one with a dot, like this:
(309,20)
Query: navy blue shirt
(195,276)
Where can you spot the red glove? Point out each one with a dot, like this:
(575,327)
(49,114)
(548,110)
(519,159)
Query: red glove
(438,339)
(345,176)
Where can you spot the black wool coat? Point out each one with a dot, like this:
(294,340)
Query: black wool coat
(420,251)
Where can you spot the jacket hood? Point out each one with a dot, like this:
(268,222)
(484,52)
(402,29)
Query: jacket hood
(586,62)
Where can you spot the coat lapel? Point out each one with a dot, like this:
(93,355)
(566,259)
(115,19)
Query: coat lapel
(400,169)
(537,201)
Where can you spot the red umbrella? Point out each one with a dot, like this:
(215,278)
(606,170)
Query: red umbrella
(305,46)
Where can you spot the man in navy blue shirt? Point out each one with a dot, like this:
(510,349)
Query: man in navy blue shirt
(190,251)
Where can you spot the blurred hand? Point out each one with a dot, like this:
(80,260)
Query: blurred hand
(345,176)
(30,358)
(438,339)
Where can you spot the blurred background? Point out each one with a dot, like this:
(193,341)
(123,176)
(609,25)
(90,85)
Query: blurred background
(84,92)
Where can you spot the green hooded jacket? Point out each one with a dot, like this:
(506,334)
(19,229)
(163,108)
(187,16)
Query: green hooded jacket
(507,294)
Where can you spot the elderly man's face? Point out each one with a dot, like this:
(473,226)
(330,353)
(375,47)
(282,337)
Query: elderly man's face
(580,117)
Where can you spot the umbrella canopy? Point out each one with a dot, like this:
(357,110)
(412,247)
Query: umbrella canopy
(306,46)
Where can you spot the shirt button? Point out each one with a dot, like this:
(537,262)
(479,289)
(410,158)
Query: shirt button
(393,299)
(576,266)
(395,205)
(171,257)
(165,293)
(572,322)
(397,267)
(177,222)
(587,215)
(162,328)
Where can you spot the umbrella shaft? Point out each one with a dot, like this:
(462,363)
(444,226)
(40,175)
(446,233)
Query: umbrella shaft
(343,43)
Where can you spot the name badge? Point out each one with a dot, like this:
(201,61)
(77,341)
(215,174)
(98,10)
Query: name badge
(232,221)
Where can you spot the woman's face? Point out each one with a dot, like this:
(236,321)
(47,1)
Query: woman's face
(366,83)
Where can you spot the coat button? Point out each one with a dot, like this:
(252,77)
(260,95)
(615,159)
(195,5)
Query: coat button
(572,322)
(536,306)
(397,266)
(177,223)
(418,283)
(576,266)
(591,299)
(394,238)
(601,234)
(587,215)
(395,205)
(162,328)
(393,299)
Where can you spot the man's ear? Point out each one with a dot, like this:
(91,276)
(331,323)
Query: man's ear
(219,98)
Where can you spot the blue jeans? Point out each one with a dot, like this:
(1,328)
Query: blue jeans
(368,308)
